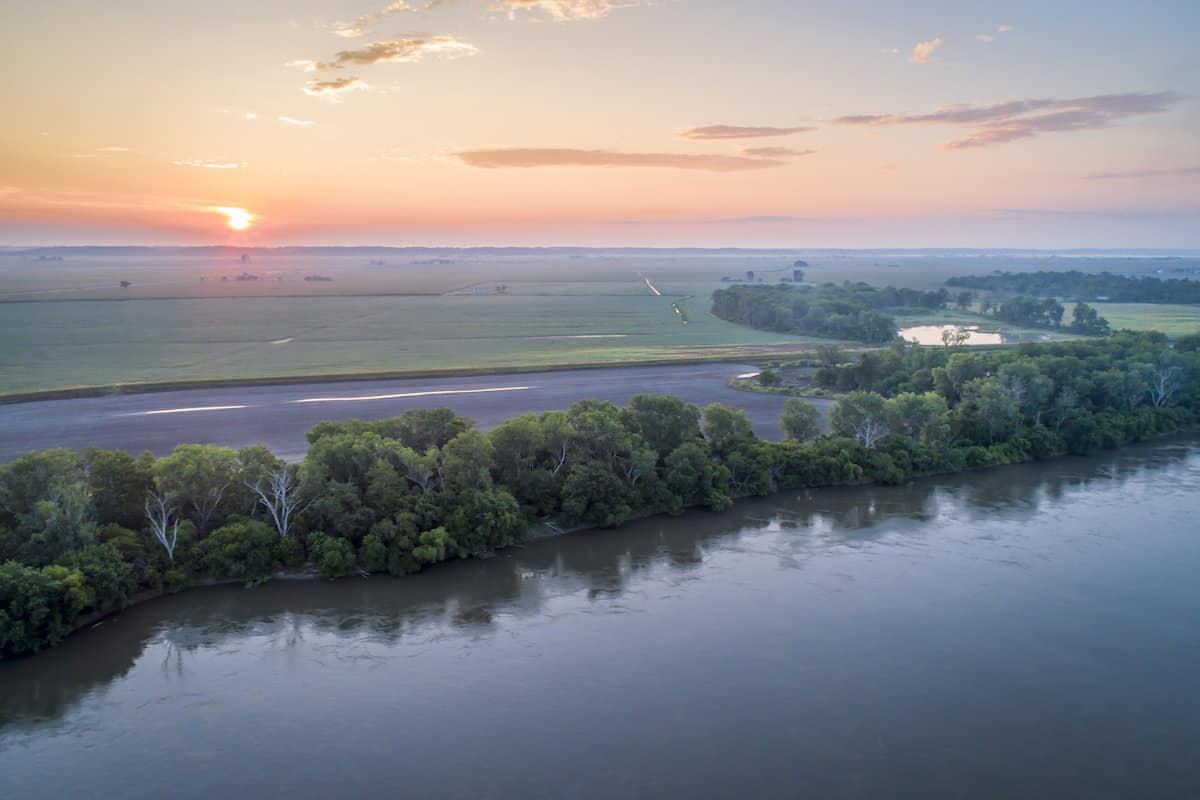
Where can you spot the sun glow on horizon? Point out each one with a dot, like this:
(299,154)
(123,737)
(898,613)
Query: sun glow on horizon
(239,219)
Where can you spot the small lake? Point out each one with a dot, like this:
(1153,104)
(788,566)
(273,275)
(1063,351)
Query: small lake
(932,334)
(1019,632)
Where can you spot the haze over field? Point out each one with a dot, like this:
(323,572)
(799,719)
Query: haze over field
(640,122)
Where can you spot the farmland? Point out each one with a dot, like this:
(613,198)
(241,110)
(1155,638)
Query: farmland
(210,314)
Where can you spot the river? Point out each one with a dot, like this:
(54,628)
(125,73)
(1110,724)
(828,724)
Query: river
(1018,632)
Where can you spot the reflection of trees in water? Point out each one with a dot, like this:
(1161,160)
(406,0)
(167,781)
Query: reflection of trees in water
(365,616)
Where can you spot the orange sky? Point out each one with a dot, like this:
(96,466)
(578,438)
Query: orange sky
(601,122)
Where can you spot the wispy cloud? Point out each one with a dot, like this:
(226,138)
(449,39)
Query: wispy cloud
(561,10)
(923,51)
(705,132)
(401,50)
(1005,29)
(890,51)
(112,149)
(522,157)
(985,37)
(301,123)
(205,163)
(774,152)
(334,87)
(1170,172)
(359,27)
(1024,119)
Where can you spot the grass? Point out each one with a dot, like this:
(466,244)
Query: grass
(66,325)
(1171,320)
(60,345)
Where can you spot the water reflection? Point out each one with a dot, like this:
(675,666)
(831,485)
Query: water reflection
(359,620)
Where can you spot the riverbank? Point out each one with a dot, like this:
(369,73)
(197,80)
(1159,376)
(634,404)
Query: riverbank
(549,529)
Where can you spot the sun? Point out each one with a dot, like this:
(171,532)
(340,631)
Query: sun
(239,218)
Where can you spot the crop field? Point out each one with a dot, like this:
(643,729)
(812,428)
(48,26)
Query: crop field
(211,315)
(1171,320)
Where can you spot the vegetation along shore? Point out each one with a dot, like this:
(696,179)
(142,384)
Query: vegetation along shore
(83,533)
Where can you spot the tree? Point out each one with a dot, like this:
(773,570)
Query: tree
(244,550)
(664,422)
(987,412)
(197,477)
(595,495)
(163,518)
(692,478)
(423,429)
(955,337)
(830,355)
(118,483)
(466,462)
(281,494)
(862,416)
(45,498)
(1087,321)
(1164,381)
(801,420)
(332,555)
(769,377)
(725,428)
(962,300)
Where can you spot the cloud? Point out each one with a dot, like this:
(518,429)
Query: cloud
(923,51)
(205,163)
(359,27)
(302,123)
(306,64)
(985,37)
(401,50)
(521,157)
(561,10)
(705,132)
(334,86)
(774,152)
(890,51)
(1144,173)
(1024,119)
(249,115)
(1004,29)
(112,149)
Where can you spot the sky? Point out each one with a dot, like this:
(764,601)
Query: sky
(601,122)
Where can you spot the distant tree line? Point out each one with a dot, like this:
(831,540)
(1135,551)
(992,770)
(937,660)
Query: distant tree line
(84,533)
(1082,286)
(1046,312)
(851,311)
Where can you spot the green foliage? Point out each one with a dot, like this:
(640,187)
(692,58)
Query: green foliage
(401,495)
(801,420)
(770,377)
(332,555)
(1086,321)
(36,606)
(725,428)
(849,311)
(244,550)
(1075,285)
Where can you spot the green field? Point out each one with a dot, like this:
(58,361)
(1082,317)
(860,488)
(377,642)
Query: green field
(1171,320)
(186,316)
(61,345)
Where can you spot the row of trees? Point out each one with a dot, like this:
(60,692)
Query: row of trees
(82,533)
(852,311)
(1047,313)
(1081,286)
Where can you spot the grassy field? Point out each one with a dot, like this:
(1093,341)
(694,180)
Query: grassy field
(66,324)
(61,345)
(1171,320)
